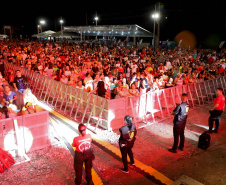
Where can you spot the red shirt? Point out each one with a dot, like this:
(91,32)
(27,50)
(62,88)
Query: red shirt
(82,143)
(220,101)
(11,78)
(221,70)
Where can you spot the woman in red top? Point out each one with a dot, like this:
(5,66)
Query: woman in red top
(83,153)
(11,78)
(155,72)
(120,69)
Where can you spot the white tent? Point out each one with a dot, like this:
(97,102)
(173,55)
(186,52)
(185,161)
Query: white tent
(44,34)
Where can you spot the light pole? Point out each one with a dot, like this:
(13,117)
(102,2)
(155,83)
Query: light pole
(155,16)
(61,22)
(96,19)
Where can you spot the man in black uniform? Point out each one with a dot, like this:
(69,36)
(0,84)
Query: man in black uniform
(179,121)
(126,141)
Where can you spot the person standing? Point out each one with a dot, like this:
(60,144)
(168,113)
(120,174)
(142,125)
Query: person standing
(179,121)
(83,153)
(9,96)
(216,111)
(20,82)
(126,141)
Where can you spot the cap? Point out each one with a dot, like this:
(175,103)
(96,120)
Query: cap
(27,104)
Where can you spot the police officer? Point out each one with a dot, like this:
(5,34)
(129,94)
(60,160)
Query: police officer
(83,153)
(126,141)
(180,117)
(217,110)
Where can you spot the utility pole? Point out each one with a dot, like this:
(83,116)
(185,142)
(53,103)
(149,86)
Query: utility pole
(154,30)
(158,34)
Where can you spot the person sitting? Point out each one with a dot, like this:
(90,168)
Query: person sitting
(88,81)
(79,85)
(169,83)
(112,88)
(28,109)
(118,88)
(11,78)
(9,96)
(9,112)
(72,82)
(63,79)
(124,92)
(133,90)
(20,82)
(100,89)
(29,97)
(178,80)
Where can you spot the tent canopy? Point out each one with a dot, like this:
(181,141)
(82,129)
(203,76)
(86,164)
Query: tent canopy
(65,34)
(44,34)
(110,30)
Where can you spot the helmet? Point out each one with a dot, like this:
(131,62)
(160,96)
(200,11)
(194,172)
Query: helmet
(128,120)
(82,129)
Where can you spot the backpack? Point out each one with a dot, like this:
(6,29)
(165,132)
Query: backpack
(204,141)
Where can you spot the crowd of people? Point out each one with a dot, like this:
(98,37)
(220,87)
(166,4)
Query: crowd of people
(10,106)
(114,71)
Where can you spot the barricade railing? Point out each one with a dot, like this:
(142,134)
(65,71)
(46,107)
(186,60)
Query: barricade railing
(79,105)
(67,100)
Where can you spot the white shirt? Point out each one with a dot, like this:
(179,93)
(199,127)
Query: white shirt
(134,68)
(67,73)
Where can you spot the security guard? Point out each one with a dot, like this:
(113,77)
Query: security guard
(126,142)
(216,111)
(180,118)
(83,153)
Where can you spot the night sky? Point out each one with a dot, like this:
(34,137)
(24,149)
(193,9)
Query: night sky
(203,18)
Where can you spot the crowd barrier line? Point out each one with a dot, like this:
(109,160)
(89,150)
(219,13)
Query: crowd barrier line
(79,105)
(32,129)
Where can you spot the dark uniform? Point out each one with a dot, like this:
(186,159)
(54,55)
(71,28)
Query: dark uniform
(179,125)
(126,142)
(83,153)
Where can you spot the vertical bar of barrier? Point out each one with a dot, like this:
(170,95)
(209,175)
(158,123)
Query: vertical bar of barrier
(59,94)
(92,108)
(48,87)
(200,91)
(75,100)
(68,98)
(52,91)
(42,86)
(79,103)
(86,108)
(64,91)
(101,111)
(190,94)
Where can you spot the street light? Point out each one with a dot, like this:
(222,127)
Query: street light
(42,22)
(155,16)
(96,19)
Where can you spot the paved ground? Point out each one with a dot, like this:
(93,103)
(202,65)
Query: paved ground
(207,167)
(54,165)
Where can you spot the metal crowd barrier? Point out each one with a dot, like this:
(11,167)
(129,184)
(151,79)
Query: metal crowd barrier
(78,105)
(25,133)
(73,103)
